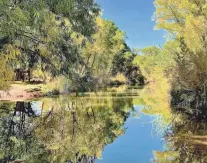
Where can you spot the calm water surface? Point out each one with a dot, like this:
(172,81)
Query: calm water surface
(138,142)
(105,127)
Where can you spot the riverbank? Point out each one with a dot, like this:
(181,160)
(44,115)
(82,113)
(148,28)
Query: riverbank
(21,92)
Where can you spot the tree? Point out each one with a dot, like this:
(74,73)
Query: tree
(48,34)
(99,54)
(123,64)
(6,74)
(186,22)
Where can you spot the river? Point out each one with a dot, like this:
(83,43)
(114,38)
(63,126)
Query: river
(119,125)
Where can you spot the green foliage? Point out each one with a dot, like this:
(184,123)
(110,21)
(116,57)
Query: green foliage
(63,38)
(6,75)
(154,62)
(185,140)
(99,54)
(67,129)
(123,63)
(186,23)
(47,35)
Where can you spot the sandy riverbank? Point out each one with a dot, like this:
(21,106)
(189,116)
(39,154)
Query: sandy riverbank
(21,92)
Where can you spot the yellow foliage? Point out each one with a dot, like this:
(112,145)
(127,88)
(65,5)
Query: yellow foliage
(166,156)
(6,74)
(59,83)
(107,42)
(155,97)
(119,77)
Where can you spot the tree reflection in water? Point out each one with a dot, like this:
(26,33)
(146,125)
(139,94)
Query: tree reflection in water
(68,129)
(183,120)
(186,138)
(76,129)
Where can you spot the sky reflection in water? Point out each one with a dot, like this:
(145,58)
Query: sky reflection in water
(138,142)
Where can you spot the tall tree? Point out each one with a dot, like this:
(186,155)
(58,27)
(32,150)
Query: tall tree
(99,54)
(186,22)
(47,32)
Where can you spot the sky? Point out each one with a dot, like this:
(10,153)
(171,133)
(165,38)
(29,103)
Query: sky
(135,18)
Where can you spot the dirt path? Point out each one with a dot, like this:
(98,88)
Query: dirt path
(20,92)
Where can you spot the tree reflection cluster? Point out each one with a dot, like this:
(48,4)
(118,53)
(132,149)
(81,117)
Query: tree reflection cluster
(186,138)
(76,129)
(182,120)
(68,129)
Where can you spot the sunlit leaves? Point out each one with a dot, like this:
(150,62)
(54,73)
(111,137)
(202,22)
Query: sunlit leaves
(155,64)
(99,54)
(81,125)
(47,33)
(6,75)
(186,20)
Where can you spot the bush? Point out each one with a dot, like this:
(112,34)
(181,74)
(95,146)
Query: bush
(118,79)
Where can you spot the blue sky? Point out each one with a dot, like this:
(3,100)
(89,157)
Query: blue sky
(135,18)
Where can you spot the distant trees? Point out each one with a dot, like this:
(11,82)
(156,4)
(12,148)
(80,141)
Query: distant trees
(99,53)
(123,64)
(154,63)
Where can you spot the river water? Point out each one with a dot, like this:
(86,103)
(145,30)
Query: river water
(115,126)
